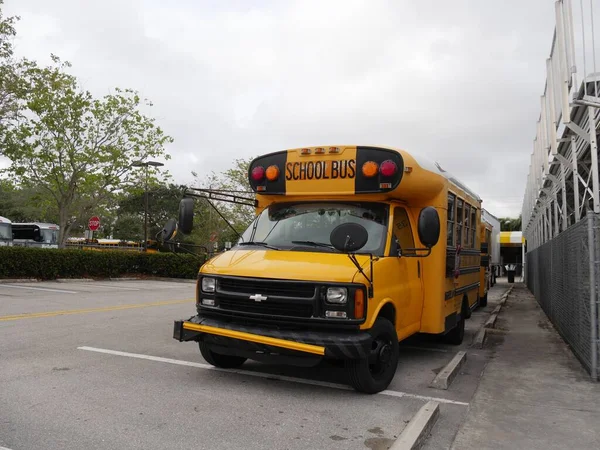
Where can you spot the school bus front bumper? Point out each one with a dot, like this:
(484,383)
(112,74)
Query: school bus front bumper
(261,339)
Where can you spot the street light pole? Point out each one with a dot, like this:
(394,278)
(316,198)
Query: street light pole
(146,164)
(146,211)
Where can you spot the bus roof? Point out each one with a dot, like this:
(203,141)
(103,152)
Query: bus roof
(50,226)
(435,167)
(350,170)
(4,220)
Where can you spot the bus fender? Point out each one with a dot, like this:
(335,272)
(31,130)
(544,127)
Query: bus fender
(385,309)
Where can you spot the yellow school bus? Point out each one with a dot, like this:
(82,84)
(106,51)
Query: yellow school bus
(353,249)
(485,236)
(112,244)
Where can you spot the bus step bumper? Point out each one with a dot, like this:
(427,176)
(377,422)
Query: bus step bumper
(335,345)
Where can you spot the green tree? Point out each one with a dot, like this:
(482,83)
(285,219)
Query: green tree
(128,228)
(23,204)
(510,224)
(9,69)
(163,204)
(234,181)
(76,148)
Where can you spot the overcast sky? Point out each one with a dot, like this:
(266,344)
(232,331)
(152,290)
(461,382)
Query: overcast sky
(457,81)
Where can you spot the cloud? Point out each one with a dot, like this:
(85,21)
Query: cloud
(456,81)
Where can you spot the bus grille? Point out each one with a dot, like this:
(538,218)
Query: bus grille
(267,287)
(283,298)
(271,309)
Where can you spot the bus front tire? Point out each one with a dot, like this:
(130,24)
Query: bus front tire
(218,360)
(374,374)
(457,334)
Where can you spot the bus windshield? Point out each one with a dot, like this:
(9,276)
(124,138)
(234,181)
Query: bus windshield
(49,236)
(5,231)
(307,226)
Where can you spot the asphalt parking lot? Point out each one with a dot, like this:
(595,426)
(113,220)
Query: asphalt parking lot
(94,365)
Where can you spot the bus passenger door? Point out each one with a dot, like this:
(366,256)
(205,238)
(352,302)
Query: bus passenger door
(408,288)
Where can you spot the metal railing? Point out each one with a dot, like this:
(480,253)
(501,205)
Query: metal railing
(563,274)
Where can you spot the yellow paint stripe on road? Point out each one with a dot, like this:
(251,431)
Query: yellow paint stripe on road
(90,310)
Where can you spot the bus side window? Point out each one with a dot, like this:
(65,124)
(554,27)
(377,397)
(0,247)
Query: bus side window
(467,223)
(402,232)
(450,221)
(473,222)
(459,222)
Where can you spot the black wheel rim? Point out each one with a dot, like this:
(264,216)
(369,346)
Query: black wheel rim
(381,356)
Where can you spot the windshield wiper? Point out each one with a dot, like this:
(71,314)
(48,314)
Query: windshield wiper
(260,244)
(314,244)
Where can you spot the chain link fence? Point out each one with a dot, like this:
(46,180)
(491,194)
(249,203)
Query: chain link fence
(563,275)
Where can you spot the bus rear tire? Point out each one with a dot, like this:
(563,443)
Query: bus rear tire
(467,312)
(375,373)
(483,301)
(457,334)
(218,360)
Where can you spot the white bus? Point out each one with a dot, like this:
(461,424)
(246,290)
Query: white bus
(494,249)
(6,237)
(35,234)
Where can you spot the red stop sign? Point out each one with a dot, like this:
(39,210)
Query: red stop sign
(94,223)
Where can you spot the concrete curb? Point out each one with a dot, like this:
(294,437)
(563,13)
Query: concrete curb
(479,338)
(505,296)
(444,378)
(490,323)
(417,430)
(18,280)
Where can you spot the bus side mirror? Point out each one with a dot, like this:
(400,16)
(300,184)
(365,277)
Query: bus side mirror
(186,215)
(429,226)
(169,230)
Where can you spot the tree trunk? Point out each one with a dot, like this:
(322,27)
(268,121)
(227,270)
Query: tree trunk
(62,223)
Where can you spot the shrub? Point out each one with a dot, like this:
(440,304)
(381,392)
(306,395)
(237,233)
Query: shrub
(49,264)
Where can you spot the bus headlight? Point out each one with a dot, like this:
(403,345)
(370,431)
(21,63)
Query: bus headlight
(337,295)
(208,284)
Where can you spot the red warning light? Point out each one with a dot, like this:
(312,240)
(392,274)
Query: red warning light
(388,168)
(258,173)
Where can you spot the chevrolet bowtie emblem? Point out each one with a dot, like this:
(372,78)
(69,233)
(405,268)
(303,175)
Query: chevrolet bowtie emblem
(258,297)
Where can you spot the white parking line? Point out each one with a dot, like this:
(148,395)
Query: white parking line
(38,289)
(264,375)
(123,288)
(4,448)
